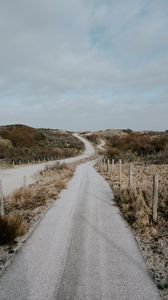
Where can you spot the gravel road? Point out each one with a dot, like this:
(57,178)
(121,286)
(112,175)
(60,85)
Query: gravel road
(82,249)
(13,178)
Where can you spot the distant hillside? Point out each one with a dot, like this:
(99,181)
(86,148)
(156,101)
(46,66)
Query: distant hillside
(129,145)
(20,142)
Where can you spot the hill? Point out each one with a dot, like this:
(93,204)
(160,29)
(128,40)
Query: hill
(20,142)
(129,145)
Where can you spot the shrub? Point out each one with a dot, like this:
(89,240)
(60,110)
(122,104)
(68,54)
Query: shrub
(11,226)
(19,142)
(93,138)
(56,166)
(134,207)
(131,146)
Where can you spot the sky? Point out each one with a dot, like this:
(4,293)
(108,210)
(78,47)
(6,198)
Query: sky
(84,64)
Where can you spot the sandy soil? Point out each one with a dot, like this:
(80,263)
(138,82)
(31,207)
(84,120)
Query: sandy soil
(155,252)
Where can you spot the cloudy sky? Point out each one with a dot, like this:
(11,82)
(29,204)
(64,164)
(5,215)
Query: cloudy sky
(84,64)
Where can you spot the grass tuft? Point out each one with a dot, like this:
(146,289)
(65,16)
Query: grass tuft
(11,226)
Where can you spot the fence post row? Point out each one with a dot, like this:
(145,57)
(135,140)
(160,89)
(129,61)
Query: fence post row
(130,182)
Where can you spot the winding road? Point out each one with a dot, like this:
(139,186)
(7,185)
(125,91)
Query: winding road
(13,178)
(82,249)
(101,145)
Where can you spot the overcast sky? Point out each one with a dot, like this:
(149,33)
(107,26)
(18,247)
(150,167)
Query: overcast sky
(84,64)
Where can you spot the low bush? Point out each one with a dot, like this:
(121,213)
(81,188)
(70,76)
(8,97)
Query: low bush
(93,138)
(11,226)
(19,142)
(134,207)
(133,146)
(56,166)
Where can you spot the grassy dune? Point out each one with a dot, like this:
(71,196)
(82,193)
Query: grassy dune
(23,143)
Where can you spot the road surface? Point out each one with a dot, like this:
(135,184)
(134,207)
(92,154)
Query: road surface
(101,145)
(13,178)
(81,250)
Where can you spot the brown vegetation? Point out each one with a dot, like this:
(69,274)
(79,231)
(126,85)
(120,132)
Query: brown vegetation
(19,142)
(29,202)
(25,205)
(11,226)
(152,148)
(136,202)
(92,137)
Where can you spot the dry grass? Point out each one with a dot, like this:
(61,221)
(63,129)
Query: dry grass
(132,145)
(11,226)
(136,206)
(25,205)
(30,202)
(136,203)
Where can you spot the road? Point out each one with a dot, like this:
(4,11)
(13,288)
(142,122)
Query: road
(81,250)
(13,178)
(101,145)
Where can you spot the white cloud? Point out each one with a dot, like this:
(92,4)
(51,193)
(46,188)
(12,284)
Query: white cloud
(100,59)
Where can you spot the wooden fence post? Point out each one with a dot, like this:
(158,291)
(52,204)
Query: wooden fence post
(120,172)
(24,181)
(112,167)
(101,162)
(155,197)
(1,199)
(108,165)
(130,175)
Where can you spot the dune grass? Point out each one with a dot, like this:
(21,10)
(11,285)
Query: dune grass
(11,226)
(136,202)
(28,203)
